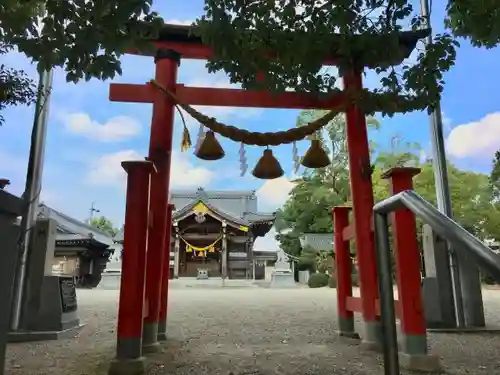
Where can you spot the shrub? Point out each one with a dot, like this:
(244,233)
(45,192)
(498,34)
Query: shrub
(332,281)
(318,280)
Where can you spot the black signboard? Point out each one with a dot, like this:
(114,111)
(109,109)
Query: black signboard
(68,294)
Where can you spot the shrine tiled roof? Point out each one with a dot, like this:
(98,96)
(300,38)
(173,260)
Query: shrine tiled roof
(238,204)
(254,217)
(239,207)
(71,230)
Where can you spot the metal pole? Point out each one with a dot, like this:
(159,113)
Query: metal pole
(386,292)
(92,210)
(32,190)
(441,181)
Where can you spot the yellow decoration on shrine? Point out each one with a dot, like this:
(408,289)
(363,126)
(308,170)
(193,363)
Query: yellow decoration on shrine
(243,228)
(201,208)
(201,253)
(196,248)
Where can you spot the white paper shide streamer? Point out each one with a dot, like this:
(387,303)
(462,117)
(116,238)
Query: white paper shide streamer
(295,157)
(243,160)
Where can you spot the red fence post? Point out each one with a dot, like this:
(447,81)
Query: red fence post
(130,310)
(407,255)
(343,272)
(362,203)
(162,325)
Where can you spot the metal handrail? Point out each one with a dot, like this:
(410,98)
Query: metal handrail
(444,227)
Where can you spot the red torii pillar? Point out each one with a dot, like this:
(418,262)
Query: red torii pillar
(407,256)
(360,172)
(160,152)
(131,304)
(167,62)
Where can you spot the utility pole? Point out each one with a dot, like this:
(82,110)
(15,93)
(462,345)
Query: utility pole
(92,210)
(32,190)
(463,274)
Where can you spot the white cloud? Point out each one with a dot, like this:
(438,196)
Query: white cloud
(107,170)
(185,175)
(116,129)
(478,139)
(274,193)
(179,22)
(268,242)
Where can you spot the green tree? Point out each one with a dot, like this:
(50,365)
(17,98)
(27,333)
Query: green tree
(279,223)
(16,88)
(85,38)
(474,203)
(300,33)
(400,154)
(476,21)
(471,196)
(104,224)
(308,210)
(495,176)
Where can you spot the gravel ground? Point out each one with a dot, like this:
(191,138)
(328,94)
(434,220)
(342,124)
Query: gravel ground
(238,331)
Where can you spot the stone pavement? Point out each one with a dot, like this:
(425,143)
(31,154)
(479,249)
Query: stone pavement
(112,281)
(246,330)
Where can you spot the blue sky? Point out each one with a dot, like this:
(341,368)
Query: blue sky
(88,135)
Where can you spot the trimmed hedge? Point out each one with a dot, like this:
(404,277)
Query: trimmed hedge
(318,280)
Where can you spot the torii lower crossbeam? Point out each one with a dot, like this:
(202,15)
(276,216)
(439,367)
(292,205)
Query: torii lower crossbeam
(136,93)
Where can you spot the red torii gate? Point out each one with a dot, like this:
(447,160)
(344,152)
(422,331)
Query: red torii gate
(148,186)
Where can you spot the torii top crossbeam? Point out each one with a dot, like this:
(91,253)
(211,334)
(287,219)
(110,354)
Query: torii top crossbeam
(179,39)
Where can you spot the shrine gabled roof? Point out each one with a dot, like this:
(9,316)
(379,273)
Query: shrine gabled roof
(70,229)
(237,207)
(64,239)
(186,210)
(213,194)
(407,43)
(234,203)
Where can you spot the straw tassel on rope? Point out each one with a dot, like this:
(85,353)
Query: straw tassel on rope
(186,140)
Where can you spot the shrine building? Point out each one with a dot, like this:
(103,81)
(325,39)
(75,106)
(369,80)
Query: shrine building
(215,231)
